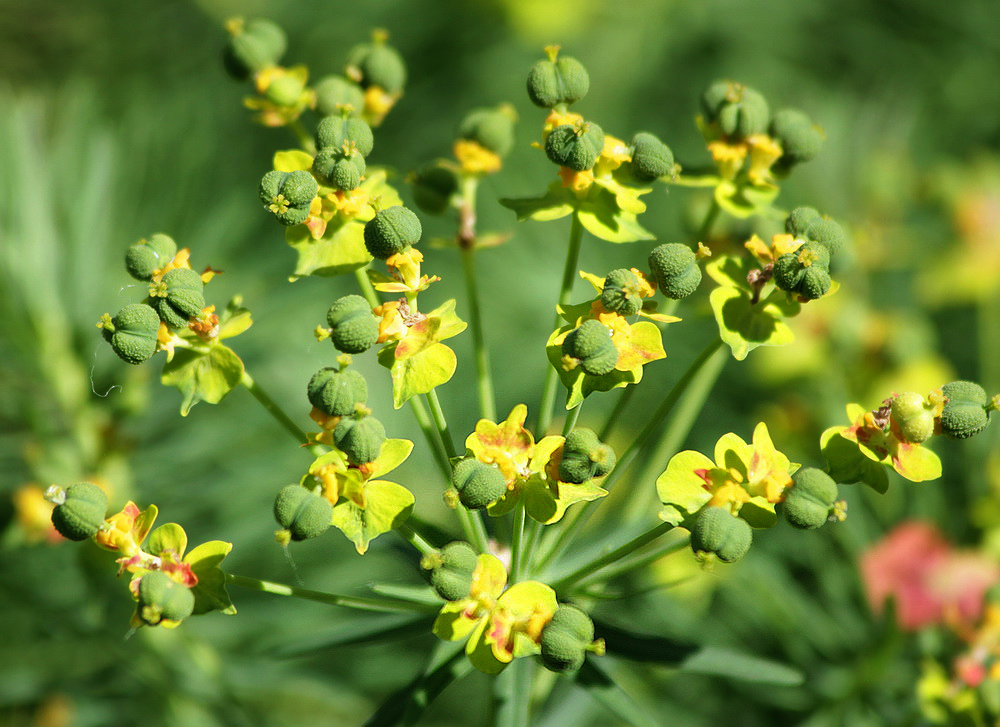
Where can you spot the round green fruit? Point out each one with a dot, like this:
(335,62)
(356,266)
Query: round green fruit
(717,531)
(810,500)
(651,158)
(453,569)
(621,292)
(391,231)
(256,45)
(81,514)
(340,169)
(565,639)
(378,64)
(800,139)
(135,330)
(288,195)
(575,147)
(353,327)
(913,417)
(333,132)
(304,514)
(333,93)
(560,81)
(676,270)
(145,257)
(162,598)
(360,439)
(337,393)
(798,221)
(478,484)
(592,347)
(493,129)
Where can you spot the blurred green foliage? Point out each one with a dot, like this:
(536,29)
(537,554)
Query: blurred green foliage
(117,121)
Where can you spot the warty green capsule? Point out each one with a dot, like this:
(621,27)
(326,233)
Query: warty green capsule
(675,268)
(360,438)
(252,47)
(288,195)
(800,139)
(493,129)
(566,639)
(391,231)
(717,531)
(161,597)
(621,292)
(337,393)
(810,500)
(81,513)
(557,80)
(333,93)
(738,110)
(333,132)
(964,413)
(913,417)
(340,168)
(798,221)
(805,271)
(575,146)
(353,328)
(178,297)
(651,158)
(478,484)
(144,258)
(303,513)
(377,64)
(584,457)
(134,334)
(591,346)
(452,569)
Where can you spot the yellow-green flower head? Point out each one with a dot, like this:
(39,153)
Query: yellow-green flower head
(377,64)
(353,328)
(478,484)
(719,532)
(360,438)
(337,393)
(809,502)
(557,80)
(434,186)
(575,147)
(252,46)
(333,132)
(800,139)
(738,110)
(491,128)
(288,195)
(391,231)
(335,93)
(79,511)
(302,513)
(133,333)
(452,570)
(965,412)
(146,257)
(566,640)
(675,267)
(651,158)
(161,598)
(590,347)
(178,297)
(342,168)
(622,292)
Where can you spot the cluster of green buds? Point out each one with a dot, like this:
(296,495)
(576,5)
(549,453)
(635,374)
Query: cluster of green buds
(342,143)
(339,397)
(175,297)
(812,241)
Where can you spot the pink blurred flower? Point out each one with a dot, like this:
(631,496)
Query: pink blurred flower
(929,581)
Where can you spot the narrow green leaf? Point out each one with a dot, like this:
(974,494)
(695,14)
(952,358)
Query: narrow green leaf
(405,706)
(735,665)
(371,629)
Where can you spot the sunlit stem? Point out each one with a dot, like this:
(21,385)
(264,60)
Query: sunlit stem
(441,423)
(467,249)
(366,603)
(278,413)
(410,535)
(517,544)
(710,218)
(367,289)
(430,434)
(569,277)
(615,555)
(512,694)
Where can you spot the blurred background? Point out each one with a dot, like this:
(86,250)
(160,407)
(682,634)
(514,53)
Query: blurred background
(117,121)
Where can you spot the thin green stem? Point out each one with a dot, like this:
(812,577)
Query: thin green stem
(302,136)
(569,277)
(367,289)
(278,413)
(533,529)
(411,536)
(441,423)
(430,434)
(710,217)
(637,563)
(366,603)
(512,694)
(617,554)
(572,416)
(517,544)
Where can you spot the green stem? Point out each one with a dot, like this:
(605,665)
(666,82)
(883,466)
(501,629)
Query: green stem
(367,289)
(411,536)
(571,418)
(366,603)
(302,136)
(441,423)
(710,217)
(569,277)
(566,533)
(517,544)
(278,413)
(626,566)
(467,248)
(608,558)
(430,434)
(512,694)
(533,529)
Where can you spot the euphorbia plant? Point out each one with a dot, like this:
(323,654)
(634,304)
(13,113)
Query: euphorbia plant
(506,580)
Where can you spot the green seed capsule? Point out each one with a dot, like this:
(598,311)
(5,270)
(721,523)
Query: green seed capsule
(336,131)
(577,466)
(826,233)
(360,439)
(434,185)
(676,270)
(145,257)
(800,139)
(337,393)
(809,502)
(353,327)
(591,345)
(961,421)
(478,484)
(555,81)
(333,93)
(492,129)
(565,639)
(738,110)
(134,335)
(256,45)
(651,158)
(303,513)
(377,64)
(604,460)
(965,392)
(799,220)
(178,297)
(575,147)
(339,168)
(390,231)
(621,292)
(717,531)
(288,195)
(81,513)
(805,271)
(161,597)
(285,90)
(913,417)
(452,570)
